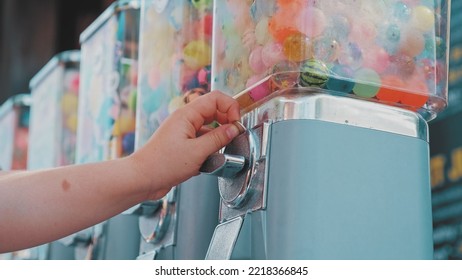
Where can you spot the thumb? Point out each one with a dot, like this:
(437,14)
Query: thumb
(216,139)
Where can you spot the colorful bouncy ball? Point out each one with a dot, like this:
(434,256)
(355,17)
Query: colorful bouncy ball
(341,79)
(202,4)
(367,83)
(313,73)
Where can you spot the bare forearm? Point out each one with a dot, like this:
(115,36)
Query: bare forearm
(41,206)
(60,201)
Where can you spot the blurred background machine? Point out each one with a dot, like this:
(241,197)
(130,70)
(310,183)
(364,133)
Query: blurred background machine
(108,80)
(14,132)
(175,56)
(53,124)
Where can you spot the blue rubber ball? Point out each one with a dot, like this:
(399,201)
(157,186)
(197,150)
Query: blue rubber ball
(128,143)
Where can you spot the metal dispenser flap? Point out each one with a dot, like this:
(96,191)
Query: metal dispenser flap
(148,256)
(224,238)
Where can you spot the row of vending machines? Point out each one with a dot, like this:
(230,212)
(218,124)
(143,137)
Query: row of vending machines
(335,97)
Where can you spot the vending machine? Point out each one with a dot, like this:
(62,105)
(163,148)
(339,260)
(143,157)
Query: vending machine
(14,133)
(175,57)
(335,98)
(14,128)
(106,126)
(53,123)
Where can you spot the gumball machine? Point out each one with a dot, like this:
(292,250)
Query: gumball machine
(106,117)
(175,57)
(14,131)
(335,97)
(14,125)
(53,122)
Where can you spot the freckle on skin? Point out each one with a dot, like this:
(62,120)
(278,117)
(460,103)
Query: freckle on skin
(66,185)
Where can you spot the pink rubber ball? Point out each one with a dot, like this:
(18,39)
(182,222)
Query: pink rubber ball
(255,60)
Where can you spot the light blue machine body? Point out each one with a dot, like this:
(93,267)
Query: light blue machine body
(342,192)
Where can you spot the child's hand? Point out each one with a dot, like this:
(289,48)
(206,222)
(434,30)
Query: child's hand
(178,148)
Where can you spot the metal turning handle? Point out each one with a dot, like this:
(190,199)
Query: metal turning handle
(158,227)
(223,165)
(162,226)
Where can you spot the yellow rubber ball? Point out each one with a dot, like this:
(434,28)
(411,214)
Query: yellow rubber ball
(124,124)
(423,18)
(69,103)
(71,122)
(197,54)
